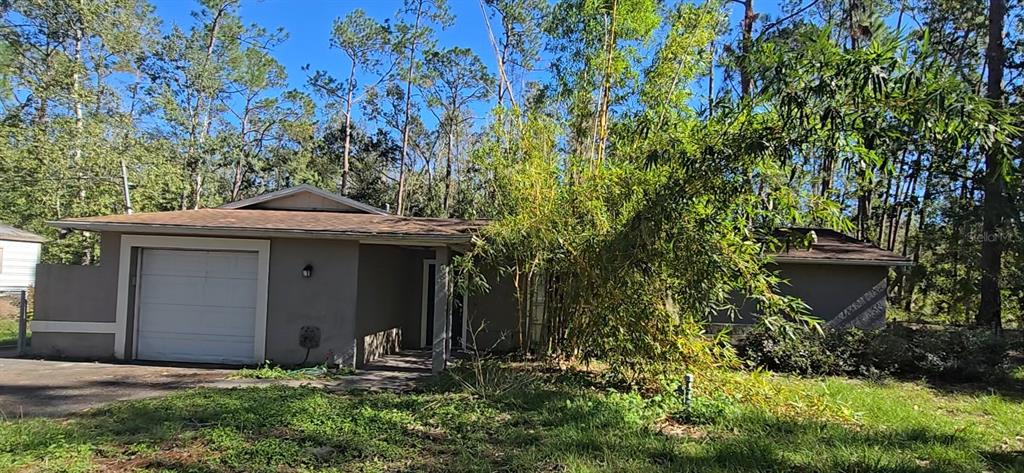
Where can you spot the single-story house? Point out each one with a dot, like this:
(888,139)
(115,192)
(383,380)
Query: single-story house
(19,255)
(298,275)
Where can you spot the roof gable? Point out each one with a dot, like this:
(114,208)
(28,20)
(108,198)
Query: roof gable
(304,197)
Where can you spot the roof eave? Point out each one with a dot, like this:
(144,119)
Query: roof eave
(366,237)
(842,262)
(24,239)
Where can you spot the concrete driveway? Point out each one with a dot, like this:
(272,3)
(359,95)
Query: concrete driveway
(31,388)
(34,388)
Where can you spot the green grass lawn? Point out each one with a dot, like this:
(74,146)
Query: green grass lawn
(8,332)
(554,425)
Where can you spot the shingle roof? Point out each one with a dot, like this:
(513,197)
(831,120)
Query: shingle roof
(281,223)
(10,233)
(833,247)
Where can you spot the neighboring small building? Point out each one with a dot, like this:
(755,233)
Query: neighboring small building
(843,280)
(298,275)
(19,255)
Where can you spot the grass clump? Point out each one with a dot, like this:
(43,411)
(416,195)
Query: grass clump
(269,370)
(704,410)
(8,332)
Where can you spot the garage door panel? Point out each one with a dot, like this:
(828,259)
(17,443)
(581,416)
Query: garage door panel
(197,320)
(243,289)
(174,263)
(208,291)
(178,347)
(228,265)
(197,306)
(189,263)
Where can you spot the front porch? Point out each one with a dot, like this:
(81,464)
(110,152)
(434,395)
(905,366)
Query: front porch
(407,301)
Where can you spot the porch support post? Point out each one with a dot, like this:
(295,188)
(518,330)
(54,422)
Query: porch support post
(441,315)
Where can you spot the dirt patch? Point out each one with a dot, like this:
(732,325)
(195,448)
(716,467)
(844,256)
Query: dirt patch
(189,457)
(673,429)
(429,433)
(9,307)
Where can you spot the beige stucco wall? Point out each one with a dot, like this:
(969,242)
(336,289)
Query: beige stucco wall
(78,346)
(80,293)
(495,312)
(841,295)
(326,300)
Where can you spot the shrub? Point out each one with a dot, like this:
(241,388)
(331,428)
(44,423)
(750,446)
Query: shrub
(791,350)
(948,353)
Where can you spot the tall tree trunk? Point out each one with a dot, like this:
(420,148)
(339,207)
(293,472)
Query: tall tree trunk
(408,106)
(236,187)
(883,210)
(990,310)
(864,192)
(124,185)
(711,82)
(746,44)
(606,86)
(79,119)
(450,164)
(77,86)
(922,229)
(348,128)
(825,172)
(897,207)
(206,111)
(910,213)
(501,55)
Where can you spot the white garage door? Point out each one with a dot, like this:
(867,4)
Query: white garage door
(197,306)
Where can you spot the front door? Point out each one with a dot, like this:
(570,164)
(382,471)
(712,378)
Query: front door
(429,281)
(458,306)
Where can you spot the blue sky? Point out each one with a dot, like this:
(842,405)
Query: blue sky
(308,23)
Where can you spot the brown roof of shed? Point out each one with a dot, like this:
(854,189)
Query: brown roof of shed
(833,247)
(282,222)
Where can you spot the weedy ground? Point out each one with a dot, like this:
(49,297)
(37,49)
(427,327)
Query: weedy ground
(271,371)
(748,422)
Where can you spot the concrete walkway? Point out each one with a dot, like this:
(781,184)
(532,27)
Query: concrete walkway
(32,388)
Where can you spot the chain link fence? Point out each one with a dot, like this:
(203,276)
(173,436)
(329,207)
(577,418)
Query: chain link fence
(14,317)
